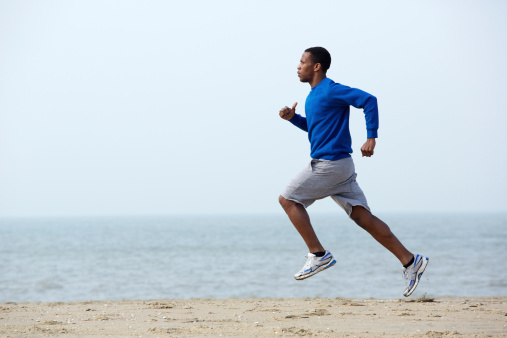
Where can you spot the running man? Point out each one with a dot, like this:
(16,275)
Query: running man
(331,171)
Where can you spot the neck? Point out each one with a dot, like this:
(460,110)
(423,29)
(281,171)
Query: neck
(317,78)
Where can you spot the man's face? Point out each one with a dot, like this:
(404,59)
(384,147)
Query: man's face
(306,68)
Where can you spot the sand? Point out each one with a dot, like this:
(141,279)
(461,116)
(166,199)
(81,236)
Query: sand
(336,317)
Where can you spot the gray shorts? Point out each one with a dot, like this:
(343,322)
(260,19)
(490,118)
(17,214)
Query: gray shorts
(323,178)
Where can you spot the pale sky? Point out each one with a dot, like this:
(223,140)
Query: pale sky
(165,107)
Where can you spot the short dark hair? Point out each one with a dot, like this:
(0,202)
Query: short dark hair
(320,55)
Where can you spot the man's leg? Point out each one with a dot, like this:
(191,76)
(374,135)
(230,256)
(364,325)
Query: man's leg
(318,259)
(413,266)
(301,221)
(381,232)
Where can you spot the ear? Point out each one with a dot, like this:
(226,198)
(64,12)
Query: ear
(317,67)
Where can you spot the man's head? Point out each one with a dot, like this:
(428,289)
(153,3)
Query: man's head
(315,62)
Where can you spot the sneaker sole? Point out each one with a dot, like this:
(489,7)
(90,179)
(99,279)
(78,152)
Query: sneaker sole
(419,274)
(319,269)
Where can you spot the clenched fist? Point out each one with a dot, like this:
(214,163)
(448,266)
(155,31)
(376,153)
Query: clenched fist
(368,147)
(287,113)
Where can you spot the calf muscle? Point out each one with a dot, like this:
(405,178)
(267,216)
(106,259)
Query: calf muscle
(381,232)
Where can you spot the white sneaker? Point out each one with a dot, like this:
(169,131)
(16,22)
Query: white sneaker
(315,265)
(413,273)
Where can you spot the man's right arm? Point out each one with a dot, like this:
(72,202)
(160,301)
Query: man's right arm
(290,115)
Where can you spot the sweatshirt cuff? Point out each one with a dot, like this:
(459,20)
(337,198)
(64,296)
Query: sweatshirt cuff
(371,133)
(295,120)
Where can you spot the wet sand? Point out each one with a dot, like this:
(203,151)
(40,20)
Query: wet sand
(335,317)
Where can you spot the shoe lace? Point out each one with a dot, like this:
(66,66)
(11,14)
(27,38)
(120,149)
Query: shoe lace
(309,260)
(408,275)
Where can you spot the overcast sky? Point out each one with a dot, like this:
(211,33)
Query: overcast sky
(165,107)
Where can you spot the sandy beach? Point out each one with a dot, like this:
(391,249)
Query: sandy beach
(428,317)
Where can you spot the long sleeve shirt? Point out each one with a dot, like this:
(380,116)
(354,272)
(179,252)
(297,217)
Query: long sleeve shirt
(327,111)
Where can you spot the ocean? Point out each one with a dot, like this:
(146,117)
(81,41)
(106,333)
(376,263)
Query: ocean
(116,258)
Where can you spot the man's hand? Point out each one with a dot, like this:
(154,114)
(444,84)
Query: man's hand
(367,148)
(287,113)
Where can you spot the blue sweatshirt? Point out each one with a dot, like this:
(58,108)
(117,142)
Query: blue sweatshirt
(327,111)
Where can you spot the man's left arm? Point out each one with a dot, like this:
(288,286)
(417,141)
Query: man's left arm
(361,99)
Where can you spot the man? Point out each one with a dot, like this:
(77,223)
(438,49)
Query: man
(331,171)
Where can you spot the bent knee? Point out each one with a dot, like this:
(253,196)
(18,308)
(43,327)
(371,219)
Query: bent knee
(285,203)
(282,200)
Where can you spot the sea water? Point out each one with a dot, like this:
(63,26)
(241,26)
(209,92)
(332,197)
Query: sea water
(77,259)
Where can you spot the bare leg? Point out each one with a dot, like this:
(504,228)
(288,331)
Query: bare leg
(299,217)
(381,232)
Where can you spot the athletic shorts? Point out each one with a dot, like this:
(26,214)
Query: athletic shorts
(323,178)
